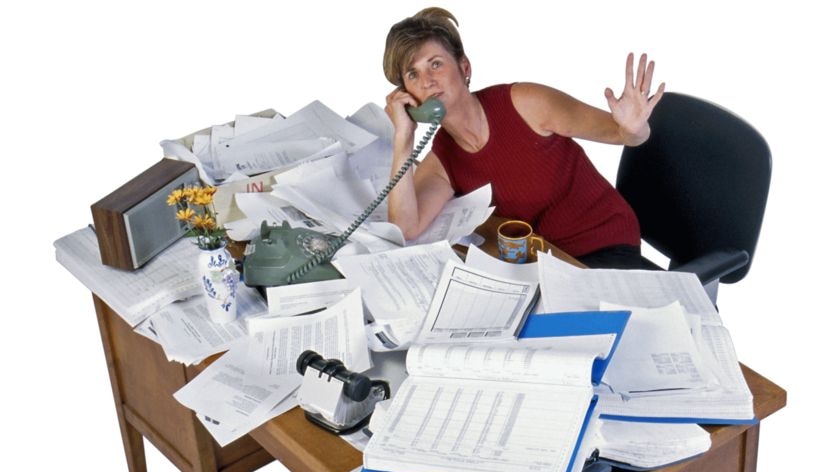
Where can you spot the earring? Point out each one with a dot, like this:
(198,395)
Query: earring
(467,81)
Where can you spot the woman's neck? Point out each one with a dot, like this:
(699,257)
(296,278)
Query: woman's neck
(467,124)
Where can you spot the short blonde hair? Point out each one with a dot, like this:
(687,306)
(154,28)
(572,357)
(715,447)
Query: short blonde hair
(407,36)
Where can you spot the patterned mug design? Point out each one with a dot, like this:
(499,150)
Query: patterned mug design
(517,241)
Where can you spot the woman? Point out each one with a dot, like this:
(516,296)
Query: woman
(516,137)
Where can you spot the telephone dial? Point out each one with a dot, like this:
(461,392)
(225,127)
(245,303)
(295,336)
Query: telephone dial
(283,255)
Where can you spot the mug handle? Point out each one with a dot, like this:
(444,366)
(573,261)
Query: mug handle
(532,249)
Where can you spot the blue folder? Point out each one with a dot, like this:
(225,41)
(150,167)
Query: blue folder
(579,323)
(576,324)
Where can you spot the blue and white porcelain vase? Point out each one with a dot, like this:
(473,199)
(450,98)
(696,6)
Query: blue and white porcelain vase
(219,279)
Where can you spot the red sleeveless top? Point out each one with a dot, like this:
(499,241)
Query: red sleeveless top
(547,181)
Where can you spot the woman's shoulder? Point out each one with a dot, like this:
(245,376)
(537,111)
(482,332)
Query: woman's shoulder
(541,106)
(494,90)
(532,91)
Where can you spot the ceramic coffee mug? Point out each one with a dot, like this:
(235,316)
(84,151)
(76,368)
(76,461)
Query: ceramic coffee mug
(517,241)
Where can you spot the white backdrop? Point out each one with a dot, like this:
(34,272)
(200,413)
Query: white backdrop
(89,88)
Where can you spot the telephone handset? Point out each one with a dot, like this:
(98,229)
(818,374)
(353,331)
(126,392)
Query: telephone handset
(280,252)
(431,111)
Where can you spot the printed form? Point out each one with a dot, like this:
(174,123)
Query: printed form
(474,419)
(473,305)
(397,288)
(569,288)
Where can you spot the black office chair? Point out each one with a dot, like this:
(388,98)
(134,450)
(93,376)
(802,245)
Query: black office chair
(699,188)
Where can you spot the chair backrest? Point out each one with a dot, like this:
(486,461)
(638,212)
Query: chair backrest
(699,183)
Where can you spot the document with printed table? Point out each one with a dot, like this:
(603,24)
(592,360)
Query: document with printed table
(134,295)
(721,397)
(515,406)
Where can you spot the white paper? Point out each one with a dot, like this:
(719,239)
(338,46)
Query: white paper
(372,118)
(291,300)
(656,352)
(529,271)
(246,123)
(472,305)
(313,121)
(259,207)
(729,399)
(569,288)
(335,333)
(650,445)
(134,295)
(256,158)
(333,195)
(483,408)
(233,391)
(242,389)
(187,335)
(459,217)
(398,284)
(225,434)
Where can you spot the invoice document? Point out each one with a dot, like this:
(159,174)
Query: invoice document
(473,305)
(528,271)
(397,287)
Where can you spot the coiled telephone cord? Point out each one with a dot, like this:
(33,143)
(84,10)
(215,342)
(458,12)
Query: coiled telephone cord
(327,254)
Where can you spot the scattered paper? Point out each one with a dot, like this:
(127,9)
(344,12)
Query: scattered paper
(471,305)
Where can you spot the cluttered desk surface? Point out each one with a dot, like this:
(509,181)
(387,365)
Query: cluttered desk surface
(237,393)
(303,446)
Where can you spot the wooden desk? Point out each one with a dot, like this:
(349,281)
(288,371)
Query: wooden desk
(143,382)
(302,446)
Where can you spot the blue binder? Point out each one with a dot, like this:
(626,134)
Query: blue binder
(576,324)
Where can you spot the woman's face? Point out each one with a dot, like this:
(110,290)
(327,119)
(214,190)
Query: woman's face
(435,72)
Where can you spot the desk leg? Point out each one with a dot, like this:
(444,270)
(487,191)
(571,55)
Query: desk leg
(135,455)
(143,381)
(751,448)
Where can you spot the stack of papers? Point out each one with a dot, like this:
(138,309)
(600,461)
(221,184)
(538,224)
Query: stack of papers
(253,144)
(187,335)
(255,380)
(172,275)
(649,445)
(718,392)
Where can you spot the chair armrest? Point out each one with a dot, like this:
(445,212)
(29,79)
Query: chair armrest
(714,265)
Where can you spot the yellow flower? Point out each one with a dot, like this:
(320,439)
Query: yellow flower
(185,215)
(206,222)
(202,198)
(195,208)
(174,197)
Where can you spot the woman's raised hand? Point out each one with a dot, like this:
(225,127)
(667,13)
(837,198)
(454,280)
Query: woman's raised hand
(633,108)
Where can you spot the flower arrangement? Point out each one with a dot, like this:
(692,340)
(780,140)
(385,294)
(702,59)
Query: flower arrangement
(196,210)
